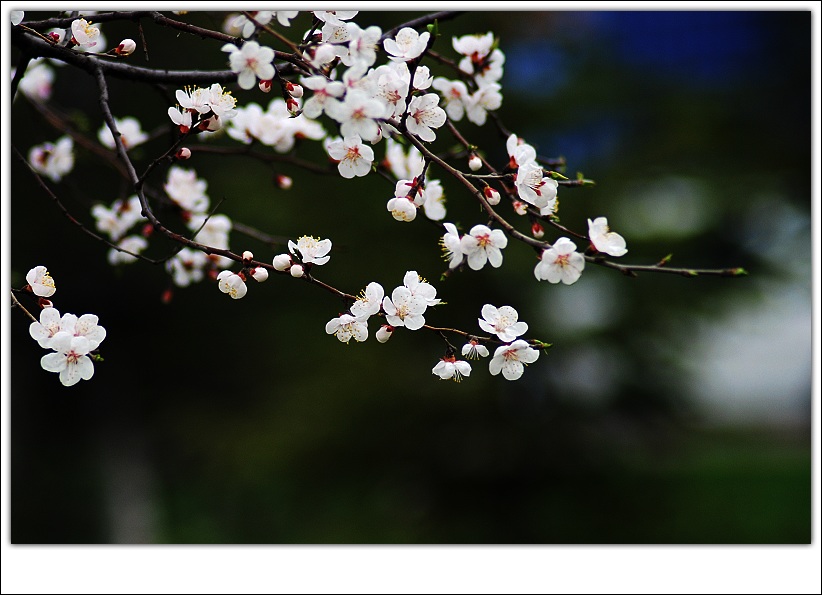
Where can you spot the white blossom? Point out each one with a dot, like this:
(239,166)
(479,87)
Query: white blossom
(561,262)
(502,322)
(83,34)
(474,349)
(509,359)
(451,368)
(250,62)
(534,188)
(41,282)
(482,244)
(354,157)
(423,115)
(232,284)
(404,308)
(406,45)
(356,114)
(131,133)
(71,359)
(347,326)
(370,302)
(53,160)
(605,240)
(311,250)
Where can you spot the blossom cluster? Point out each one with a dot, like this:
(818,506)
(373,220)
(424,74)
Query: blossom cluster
(342,88)
(71,338)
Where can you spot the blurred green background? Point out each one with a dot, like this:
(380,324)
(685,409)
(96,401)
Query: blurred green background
(669,410)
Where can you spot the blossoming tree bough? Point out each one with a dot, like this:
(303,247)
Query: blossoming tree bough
(370,100)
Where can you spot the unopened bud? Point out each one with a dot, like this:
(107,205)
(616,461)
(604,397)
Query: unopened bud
(126,47)
(147,230)
(297,270)
(537,230)
(259,273)
(55,37)
(183,153)
(294,90)
(474,163)
(284,182)
(265,86)
(168,294)
(520,208)
(247,257)
(282,262)
(491,195)
(293,106)
(384,333)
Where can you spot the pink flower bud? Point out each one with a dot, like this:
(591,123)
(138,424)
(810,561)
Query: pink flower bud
(384,333)
(491,195)
(297,270)
(537,230)
(474,163)
(183,153)
(294,90)
(282,262)
(260,274)
(293,106)
(520,208)
(126,47)
(247,257)
(265,86)
(284,182)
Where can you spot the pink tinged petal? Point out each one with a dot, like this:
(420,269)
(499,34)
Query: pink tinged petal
(518,328)
(512,369)
(246,79)
(80,369)
(494,256)
(528,355)
(414,322)
(360,331)
(477,259)
(265,72)
(389,307)
(489,312)
(499,239)
(54,362)
(463,367)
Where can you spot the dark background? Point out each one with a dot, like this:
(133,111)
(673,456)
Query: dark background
(669,410)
